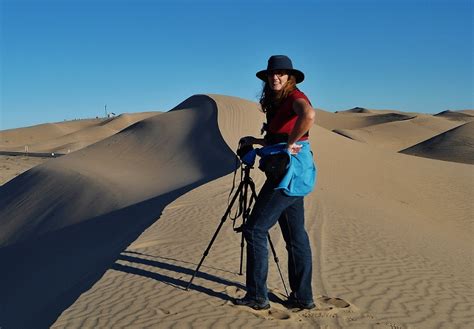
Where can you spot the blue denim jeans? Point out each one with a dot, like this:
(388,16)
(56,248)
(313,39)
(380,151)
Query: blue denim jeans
(274,206)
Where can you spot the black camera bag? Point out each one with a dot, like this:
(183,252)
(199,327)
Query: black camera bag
(275,166)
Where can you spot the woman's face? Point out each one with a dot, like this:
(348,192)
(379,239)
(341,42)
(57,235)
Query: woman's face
(277,79)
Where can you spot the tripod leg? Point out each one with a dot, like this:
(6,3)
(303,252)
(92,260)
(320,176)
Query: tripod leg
(275,257)
(244,219)
(254,193)
(226,214)
(242,244)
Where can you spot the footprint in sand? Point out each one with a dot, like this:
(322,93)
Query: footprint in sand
(277,314)
(162,311)
(334,301)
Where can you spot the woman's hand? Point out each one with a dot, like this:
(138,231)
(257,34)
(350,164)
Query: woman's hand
(247,140)
(250,140)
(294,148)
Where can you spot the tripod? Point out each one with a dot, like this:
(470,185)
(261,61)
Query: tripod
(245,205)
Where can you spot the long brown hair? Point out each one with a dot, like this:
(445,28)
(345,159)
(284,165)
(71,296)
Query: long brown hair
(270,99)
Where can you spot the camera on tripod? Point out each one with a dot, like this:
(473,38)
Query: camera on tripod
(243,150)
(244,147)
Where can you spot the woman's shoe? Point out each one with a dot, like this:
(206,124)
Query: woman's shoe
(252,303)
(293,303)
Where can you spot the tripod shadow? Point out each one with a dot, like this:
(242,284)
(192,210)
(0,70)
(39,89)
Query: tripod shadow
(139,254)
(174,281)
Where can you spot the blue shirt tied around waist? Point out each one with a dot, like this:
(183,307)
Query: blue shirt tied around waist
(300,177)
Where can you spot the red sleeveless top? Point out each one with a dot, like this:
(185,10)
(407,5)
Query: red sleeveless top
(283,119)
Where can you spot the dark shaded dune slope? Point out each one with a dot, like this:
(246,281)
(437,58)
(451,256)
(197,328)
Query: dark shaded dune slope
(387,117)
(456,115)
(453,145)
(355,110)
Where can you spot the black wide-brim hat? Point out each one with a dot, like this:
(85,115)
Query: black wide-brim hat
(280,62)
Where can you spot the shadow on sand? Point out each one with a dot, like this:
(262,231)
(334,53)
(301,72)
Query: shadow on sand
(43,277)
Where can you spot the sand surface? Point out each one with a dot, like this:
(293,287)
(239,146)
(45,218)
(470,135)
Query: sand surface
(12,166)
(108,236)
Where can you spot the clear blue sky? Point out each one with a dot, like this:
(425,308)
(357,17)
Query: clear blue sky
(66,59)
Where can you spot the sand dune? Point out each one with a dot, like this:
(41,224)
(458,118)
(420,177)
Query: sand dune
(356,120)
(109,236)
(455,145)
(398,135)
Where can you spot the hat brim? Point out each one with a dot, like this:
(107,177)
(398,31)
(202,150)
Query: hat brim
(299,76)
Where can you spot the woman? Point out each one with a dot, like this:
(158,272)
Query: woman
(289,117)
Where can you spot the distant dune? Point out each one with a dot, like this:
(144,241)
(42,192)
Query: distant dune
(355,110)
(19,137)
(357,120)
(109,235)
(466,115)
(68,136)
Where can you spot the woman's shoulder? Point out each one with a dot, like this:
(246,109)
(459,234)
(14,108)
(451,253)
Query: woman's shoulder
(296,94)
